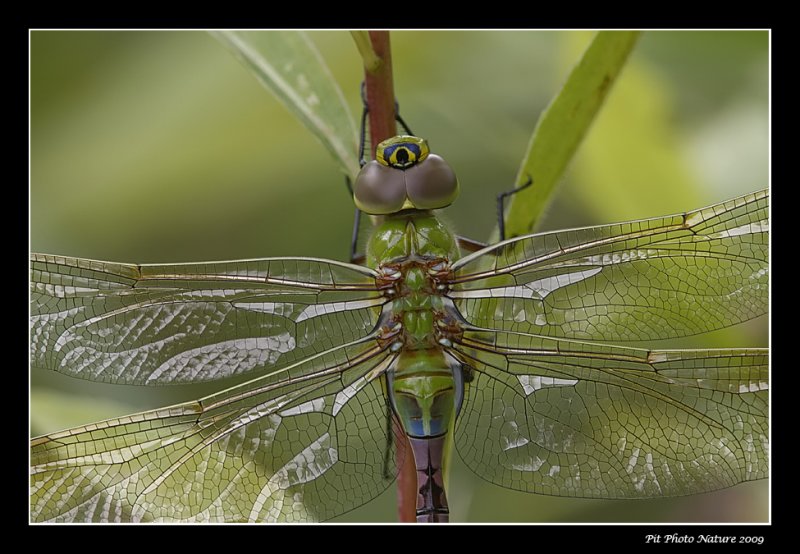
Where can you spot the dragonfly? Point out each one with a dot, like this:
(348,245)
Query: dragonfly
(507,356)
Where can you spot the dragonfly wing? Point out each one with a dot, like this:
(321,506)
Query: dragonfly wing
(577,419)
(183,323)
(302,444)
(642,280)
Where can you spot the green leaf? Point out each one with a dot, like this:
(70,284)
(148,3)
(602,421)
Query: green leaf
(635,163)
(563,124)
(288,64)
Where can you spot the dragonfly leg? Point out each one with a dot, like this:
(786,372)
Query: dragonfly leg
(363,134)
(354,257)
(501,224)
(387,454)
(400,119)
(469,244)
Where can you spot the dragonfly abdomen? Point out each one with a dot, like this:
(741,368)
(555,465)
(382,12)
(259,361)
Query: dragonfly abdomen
(424,395)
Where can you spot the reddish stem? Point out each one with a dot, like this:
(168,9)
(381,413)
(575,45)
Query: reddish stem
(380,92)
(406,477)
(382,125)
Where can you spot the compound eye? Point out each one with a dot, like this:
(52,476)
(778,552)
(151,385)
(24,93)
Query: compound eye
(379,190)
(402,151)
(431,184)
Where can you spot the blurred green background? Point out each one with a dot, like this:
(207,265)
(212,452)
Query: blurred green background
(159,147)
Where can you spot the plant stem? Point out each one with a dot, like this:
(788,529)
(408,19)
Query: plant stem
(406,477)
(380,92)
(382,125)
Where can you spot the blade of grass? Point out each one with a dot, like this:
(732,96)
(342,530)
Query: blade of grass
(563,124)
(288,64)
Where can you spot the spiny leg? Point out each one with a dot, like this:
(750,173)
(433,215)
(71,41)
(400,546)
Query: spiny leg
(400,119)
(470,245)
(501,224)
(387,454)
(354,257)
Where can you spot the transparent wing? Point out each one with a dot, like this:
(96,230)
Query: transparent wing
(181,323)
(642,280)
(304,443)
(578,419)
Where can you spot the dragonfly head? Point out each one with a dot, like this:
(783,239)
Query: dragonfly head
(404,175)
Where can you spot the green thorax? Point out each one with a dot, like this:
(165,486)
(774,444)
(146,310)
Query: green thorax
(414,244)
(411,234)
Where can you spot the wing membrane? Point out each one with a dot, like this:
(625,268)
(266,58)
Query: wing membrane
(181,323)
(578,419)
(642,280)
(303,444)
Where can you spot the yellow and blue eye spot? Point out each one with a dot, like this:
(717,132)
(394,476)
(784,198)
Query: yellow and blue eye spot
(402,152)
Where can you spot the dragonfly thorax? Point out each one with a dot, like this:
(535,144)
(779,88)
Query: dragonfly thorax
(413,253)
(410,236)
